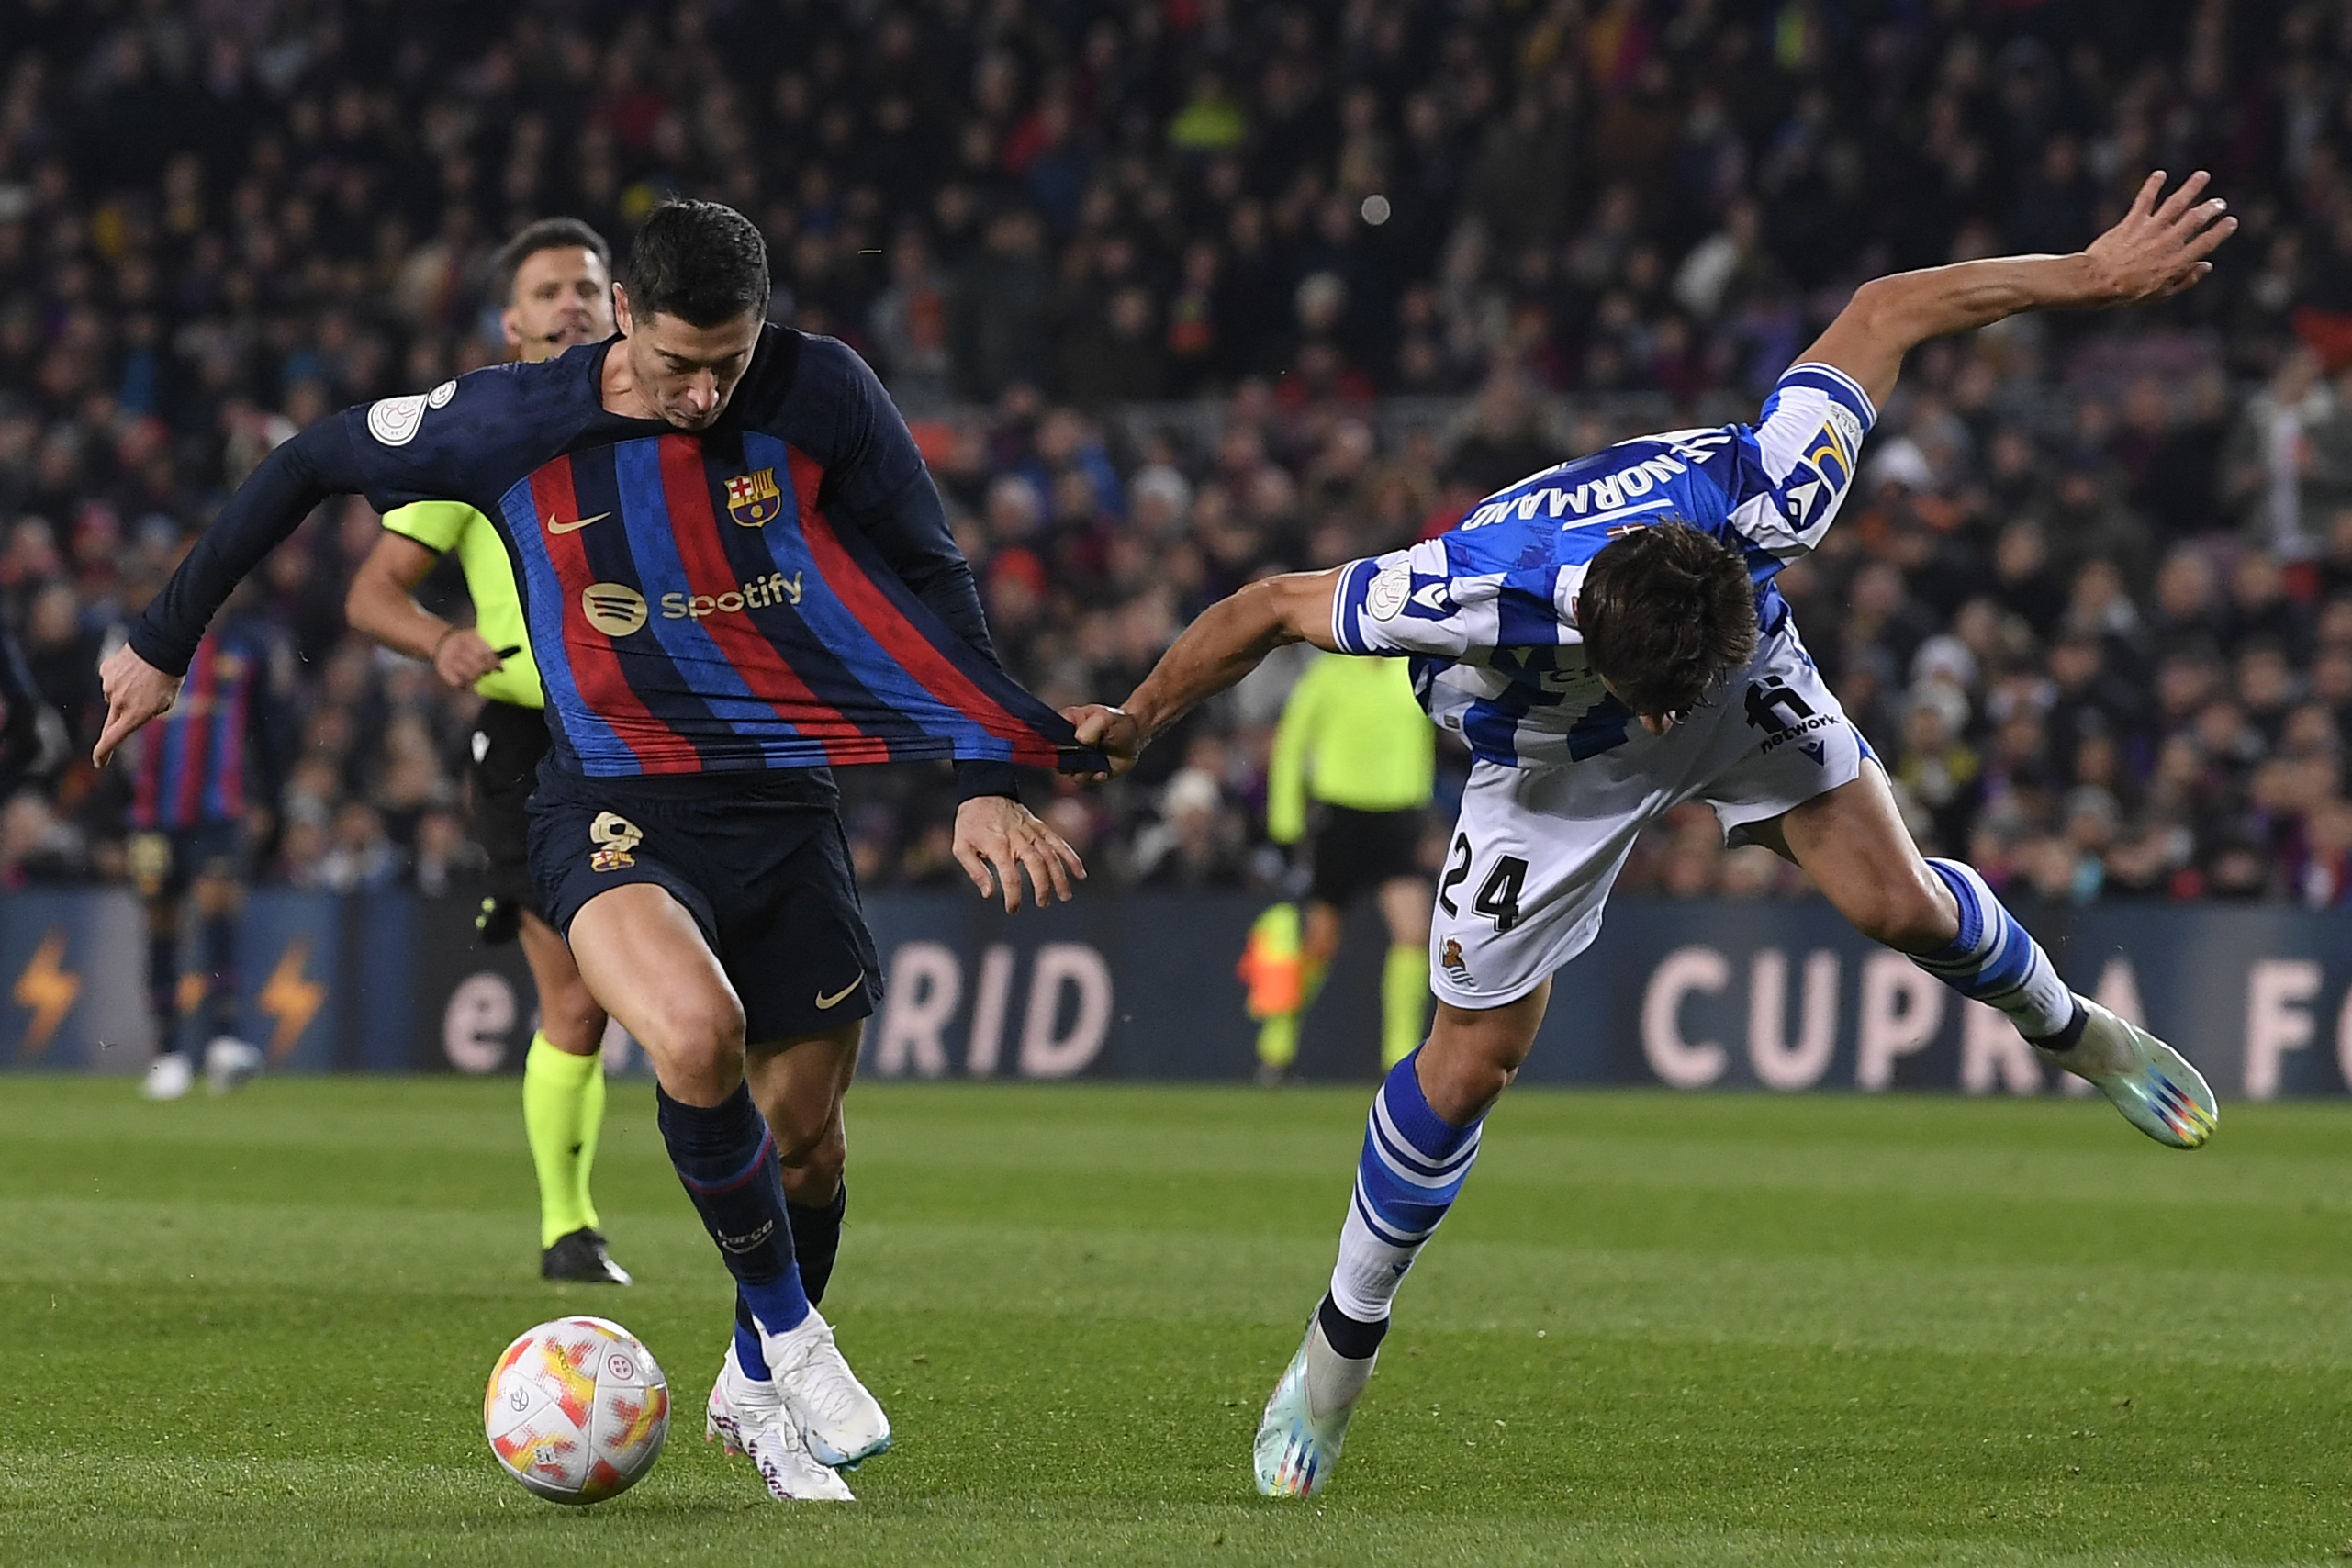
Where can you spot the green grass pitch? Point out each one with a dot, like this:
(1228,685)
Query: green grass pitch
(1718,1330)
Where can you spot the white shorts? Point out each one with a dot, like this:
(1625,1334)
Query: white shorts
(1535,850)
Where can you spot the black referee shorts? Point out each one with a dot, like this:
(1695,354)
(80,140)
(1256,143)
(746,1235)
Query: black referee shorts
(508,743)
(1355,852)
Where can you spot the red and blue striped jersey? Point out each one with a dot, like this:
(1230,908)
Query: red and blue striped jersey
(201,762)
(779,591)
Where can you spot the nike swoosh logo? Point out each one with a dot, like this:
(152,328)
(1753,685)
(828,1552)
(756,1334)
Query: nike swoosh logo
(563,528)
(838,997)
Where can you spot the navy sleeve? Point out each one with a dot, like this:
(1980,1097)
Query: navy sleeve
(290,484)
(394,451)
(877,482)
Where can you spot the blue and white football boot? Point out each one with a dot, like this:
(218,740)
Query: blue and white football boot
(2150,1082)
(1306,1420)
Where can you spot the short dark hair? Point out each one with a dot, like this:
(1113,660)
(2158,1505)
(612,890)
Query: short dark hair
(1666,612)
(547,234)
(699,262)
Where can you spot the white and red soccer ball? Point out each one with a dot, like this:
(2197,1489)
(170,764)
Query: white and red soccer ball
(577,1410)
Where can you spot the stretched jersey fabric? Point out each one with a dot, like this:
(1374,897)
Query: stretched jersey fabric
(443,526)
(1350,736)
(1486,611)
(220,745)
(779,591)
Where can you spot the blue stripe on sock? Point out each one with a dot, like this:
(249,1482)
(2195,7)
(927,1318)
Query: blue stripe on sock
(2009,967)
(1401,1211)
(1373,1222)
(1432,1135)
(1412,1158)
(1993,958)
(1963,884)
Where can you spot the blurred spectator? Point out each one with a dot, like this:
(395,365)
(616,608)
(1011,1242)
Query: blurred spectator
(2093,600)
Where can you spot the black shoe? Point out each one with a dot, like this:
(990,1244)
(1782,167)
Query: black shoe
(581,1257)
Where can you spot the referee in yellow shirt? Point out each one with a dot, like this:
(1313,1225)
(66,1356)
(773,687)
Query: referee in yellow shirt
(558,293)
(1354,744)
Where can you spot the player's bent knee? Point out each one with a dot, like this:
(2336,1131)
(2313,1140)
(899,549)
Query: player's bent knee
(696,1029)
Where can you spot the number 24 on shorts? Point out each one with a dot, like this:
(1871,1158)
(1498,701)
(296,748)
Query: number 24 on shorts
(1498,895)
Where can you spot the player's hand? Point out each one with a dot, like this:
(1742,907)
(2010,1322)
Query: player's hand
(462,657)
(2157,250)
(1110,731)
(136,692)
(997,838)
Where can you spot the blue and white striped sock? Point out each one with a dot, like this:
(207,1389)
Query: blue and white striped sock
(1994,962)
(1412,1165)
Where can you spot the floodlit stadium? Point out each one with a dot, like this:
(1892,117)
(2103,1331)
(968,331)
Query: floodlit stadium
(1434,780)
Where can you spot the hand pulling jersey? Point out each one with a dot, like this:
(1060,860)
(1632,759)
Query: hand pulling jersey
(1487,611)
(779,591)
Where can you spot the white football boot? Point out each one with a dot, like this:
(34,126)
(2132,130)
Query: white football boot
(168,1077)
(842,1422)
(230,1063)
(2150,1082)
(1306,1419)
(746,1416)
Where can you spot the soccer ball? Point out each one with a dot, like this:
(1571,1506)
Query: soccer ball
(577,1410)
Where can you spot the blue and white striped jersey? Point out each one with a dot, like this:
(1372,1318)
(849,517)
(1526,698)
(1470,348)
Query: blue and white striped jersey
(1487,611)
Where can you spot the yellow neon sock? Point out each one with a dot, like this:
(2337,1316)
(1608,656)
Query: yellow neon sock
(563,1106)
(1404,1002)
(591,1124)
(1278,1040)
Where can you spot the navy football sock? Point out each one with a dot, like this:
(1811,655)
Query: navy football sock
(221,1003)
(816,1238)
(749,1355)
(163,988)
(725,1158)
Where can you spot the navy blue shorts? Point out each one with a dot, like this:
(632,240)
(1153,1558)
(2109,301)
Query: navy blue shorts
(762,866)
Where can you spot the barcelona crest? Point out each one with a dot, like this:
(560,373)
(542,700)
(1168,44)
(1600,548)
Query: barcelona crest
(753,500)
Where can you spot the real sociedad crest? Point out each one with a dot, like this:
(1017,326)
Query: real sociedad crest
(753,500)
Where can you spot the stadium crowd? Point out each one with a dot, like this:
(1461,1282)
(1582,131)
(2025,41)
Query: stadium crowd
(1178,292)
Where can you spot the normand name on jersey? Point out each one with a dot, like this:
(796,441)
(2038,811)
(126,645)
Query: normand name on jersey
(1601,494)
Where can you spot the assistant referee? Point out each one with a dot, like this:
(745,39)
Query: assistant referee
(1354,751)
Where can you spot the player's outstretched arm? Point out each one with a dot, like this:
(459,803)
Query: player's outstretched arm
(1229,640)
(2155,253)
(140,678)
